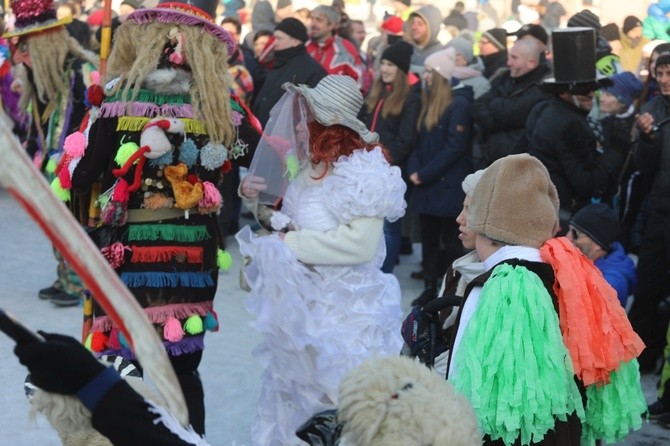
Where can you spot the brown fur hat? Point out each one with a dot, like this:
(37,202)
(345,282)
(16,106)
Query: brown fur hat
(515,202)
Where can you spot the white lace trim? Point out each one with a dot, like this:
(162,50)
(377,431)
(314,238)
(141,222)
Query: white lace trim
(365,185)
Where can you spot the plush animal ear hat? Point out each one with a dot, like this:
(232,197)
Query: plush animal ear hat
(515,202)
(34,16)
(190,12)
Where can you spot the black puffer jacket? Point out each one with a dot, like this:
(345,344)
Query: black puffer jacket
(293,65)
(501,114)
(559,135)
(652,155)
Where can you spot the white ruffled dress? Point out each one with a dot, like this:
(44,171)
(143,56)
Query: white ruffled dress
(320,321)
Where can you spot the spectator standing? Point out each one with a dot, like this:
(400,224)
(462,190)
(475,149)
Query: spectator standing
(243,86)
(292,64)
(652,157)
(469,68)
(632,42)
(558,132)
(552,13)
(423,27)
(456,20)
(439,164)
(335,54)
(493,51)
(402,8)
(501,113)
(594,229)
(391,109)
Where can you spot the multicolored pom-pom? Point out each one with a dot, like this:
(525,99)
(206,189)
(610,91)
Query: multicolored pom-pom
(223,259)
(172,330)
(95,95)
(211,197)
(75,144)
(212,156)
(98,341)
(126,150)
(188,152)
(194,325)
(113,342)
(115,254)
(58,190)
(210,323)
(51,166)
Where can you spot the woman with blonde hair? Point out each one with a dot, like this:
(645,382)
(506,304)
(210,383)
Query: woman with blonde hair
(391,109)
(439,164)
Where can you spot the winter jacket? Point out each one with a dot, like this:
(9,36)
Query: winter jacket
(619,271)
(443,159)
(494,64)
(630,53)
(338,56)
(559,135)
(291,65)
(433,18)
(652,156)
(397,133)
(501,113)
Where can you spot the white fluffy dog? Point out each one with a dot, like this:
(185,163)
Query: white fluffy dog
(396,401)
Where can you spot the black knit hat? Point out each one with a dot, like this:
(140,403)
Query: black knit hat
(399,54)
(586,19)
(498,37)
(294,28)
(532,30)
(630,22)
(599,223)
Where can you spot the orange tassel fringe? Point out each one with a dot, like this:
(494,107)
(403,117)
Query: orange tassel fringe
(594,325)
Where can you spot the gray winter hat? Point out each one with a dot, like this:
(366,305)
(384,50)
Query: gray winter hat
(336,99)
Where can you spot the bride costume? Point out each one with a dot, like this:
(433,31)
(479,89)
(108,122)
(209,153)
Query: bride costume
(318,295)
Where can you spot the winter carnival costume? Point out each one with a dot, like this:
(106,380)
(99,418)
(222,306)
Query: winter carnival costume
(317,293)
(559,352)
(161,134)
(54,72)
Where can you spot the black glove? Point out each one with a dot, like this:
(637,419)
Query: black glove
(60,364)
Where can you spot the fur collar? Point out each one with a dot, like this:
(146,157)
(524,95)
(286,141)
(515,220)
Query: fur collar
(168,81)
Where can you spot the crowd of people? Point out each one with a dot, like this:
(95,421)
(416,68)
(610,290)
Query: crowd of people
(530,164)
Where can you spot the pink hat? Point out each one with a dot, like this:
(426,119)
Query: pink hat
(442,62)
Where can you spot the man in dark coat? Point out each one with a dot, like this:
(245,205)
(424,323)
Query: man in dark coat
(501,113)
(559,134)
(292,63)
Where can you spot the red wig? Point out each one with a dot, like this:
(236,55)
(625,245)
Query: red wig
(328,143)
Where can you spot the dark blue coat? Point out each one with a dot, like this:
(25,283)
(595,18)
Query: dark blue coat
(443,159)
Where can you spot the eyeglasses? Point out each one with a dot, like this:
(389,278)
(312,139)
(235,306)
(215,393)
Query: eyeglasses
(575,233)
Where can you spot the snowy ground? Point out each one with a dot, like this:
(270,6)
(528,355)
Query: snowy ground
(230,375)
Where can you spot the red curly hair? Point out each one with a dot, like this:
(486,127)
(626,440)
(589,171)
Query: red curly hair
(328,143)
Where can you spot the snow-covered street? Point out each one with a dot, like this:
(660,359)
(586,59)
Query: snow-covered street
(230,375)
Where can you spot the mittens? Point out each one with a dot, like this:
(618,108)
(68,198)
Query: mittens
(60,364)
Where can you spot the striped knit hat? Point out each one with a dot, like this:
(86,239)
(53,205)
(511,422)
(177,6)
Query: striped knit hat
(336,99)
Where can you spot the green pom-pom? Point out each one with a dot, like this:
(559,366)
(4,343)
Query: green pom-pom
(223,259)
(57,188)
(292,166)
(124,153)
(210,323)
(88,341)
(615,409)
(51,166)
(194,325)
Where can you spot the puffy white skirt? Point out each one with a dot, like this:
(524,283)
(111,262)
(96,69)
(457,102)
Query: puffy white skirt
(318,323)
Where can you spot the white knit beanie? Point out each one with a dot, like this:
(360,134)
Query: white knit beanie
(442,62)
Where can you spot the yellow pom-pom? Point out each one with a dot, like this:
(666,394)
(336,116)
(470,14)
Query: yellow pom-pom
(292,166)
(51,166)
(124,153)
(193,325)
(223,259)
(87,342)
(59,191)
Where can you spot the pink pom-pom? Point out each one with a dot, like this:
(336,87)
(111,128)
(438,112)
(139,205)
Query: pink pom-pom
(172,330)
(121,192)
(115,254)
(113,342)
(211,196)
(75,144)
(95,77)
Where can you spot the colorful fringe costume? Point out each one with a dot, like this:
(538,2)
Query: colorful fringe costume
(548,355)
